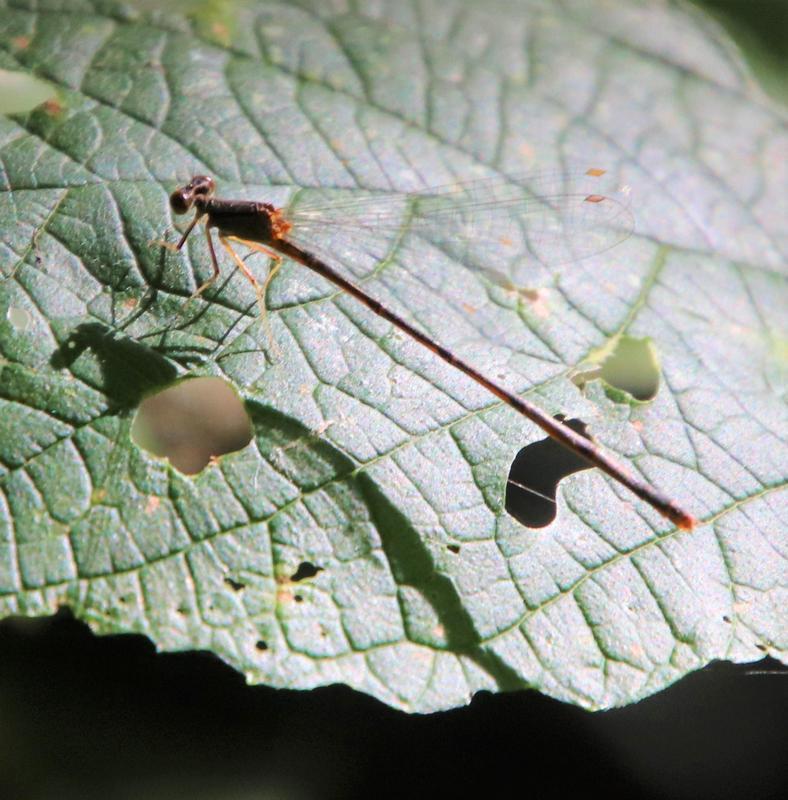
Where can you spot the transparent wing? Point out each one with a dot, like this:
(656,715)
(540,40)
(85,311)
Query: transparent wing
(498,227)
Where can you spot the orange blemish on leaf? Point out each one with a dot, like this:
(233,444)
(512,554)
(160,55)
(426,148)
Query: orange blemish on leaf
(152,504)
(595,198)
(220,32)
(595,172)
(53,107)
(527,151)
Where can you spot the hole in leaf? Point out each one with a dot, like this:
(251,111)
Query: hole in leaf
(20,92)
(236,586)
(298,598)
(629,368)
(261,644)
(535,474)
(453,548)
(305,570)
(192,423)
(19,318)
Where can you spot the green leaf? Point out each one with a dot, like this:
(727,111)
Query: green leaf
(361,537)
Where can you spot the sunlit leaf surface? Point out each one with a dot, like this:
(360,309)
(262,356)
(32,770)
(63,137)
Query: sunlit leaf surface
(361,537)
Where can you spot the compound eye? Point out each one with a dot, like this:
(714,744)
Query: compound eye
(180,201)
(203,184)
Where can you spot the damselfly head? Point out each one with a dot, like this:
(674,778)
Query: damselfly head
(183,198)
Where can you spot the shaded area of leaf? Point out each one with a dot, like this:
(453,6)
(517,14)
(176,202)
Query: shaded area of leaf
(129,370)
(413,565)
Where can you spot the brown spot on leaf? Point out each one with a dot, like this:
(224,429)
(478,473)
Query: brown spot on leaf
(221,32)
(52,107)
(538,298)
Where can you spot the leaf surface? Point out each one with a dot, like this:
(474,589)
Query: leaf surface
(362,537)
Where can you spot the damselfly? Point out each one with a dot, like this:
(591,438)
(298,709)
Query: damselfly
(497,227)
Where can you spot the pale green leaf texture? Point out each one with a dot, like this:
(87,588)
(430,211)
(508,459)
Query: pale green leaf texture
(371,460)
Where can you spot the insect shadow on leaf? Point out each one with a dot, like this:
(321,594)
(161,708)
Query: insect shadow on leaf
(129,370)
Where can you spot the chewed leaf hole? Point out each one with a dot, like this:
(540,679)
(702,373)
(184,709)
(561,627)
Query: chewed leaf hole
(19,318)
(192,422)
(21,92)
(305,570)
(629,370)
(633,367)
(535,474)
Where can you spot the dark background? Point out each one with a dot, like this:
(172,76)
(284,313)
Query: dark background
(760,29)
(87,717)
(90,717)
